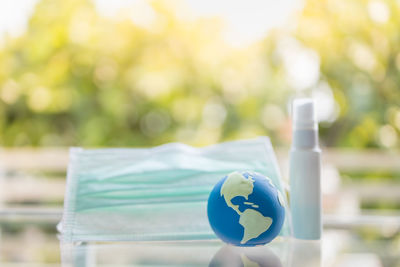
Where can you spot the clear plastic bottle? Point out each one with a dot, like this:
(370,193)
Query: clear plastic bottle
(305,172)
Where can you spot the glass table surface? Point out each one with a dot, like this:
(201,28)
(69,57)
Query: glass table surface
(32,240)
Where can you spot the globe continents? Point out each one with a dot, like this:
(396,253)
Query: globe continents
(245,209)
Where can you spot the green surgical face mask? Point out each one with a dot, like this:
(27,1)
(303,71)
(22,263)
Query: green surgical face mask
(158,193)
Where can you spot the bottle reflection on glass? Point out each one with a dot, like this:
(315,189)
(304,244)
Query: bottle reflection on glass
(305,253)
(230,256)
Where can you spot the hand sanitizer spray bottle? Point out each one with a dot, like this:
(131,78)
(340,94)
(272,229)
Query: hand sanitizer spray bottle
(305,172)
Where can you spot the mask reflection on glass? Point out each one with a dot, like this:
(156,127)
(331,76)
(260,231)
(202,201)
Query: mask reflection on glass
(289,253)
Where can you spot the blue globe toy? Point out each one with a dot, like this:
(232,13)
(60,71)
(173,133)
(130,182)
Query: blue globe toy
(245,209)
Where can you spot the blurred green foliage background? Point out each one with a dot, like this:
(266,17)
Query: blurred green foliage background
(78,78)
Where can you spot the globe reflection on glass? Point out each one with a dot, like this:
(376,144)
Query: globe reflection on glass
(245,209)
(229,256)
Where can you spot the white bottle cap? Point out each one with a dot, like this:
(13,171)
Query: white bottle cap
(303,114)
